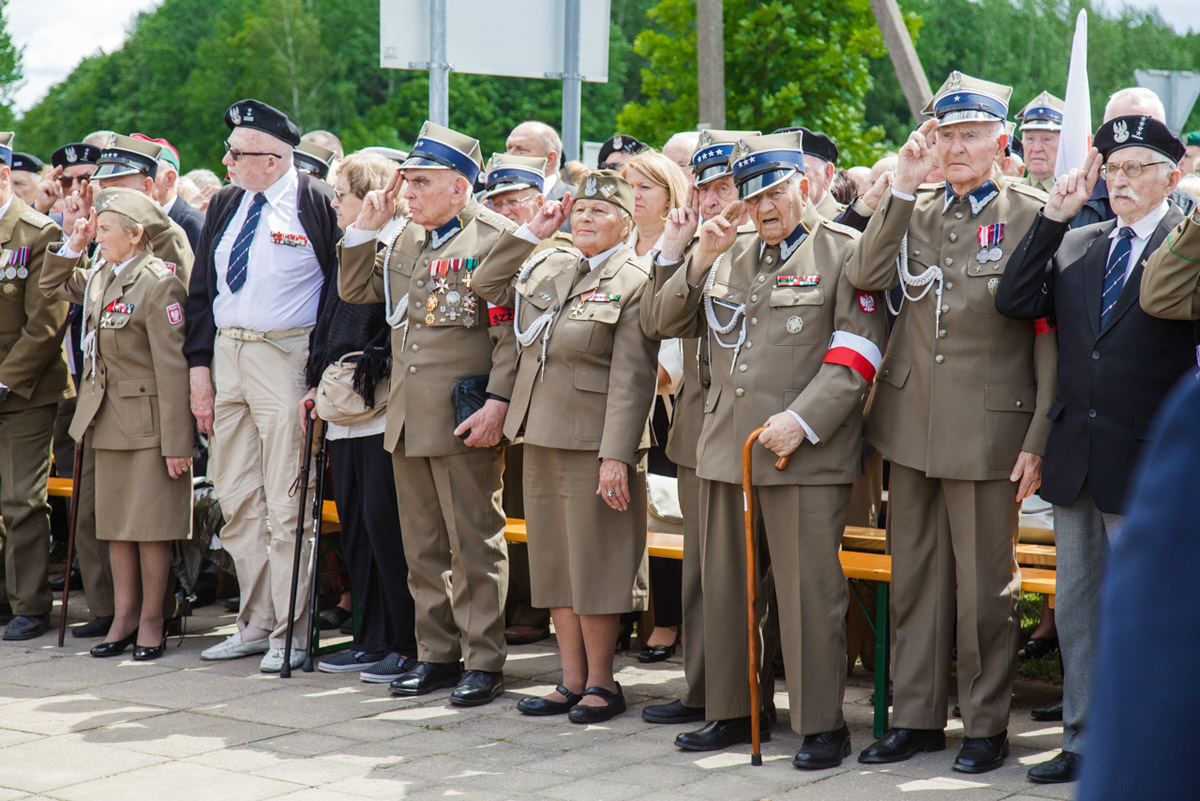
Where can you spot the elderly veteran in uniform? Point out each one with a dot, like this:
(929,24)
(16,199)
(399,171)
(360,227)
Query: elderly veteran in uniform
(820,162)
(1040,124)
(26,172)
(73,165)
(33,379)
(537,140)
(959,408)
(514,186)
(267,254)
(779,298)
(132,409)
(586,378)
(1171,279)
(448,475)
(713,190)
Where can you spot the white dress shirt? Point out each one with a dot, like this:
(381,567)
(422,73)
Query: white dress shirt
(283,282)
(1143,229)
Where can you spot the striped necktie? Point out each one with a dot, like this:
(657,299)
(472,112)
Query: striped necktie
(239,257)
(1114,273)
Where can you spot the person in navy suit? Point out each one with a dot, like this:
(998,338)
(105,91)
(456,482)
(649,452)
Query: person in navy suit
(1116,364)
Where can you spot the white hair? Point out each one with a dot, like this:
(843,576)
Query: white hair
(1134,100)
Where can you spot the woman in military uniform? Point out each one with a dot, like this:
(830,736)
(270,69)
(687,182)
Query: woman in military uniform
(585,381)
(133,408)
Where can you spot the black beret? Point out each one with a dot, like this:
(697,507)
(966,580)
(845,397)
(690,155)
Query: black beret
(27,162)
(73,154)
(815,143)
(1015,145)
(258,115)
(1138,130)
(623,143)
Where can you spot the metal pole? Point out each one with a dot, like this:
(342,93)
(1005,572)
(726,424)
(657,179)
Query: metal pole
(439,68)
(572,91)
(710,62)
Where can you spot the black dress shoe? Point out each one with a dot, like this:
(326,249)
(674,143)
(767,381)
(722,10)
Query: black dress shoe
(115,648)
(334,618)
(144,653)
(719,734)
(825,750)
(598,714)
(56,583)
(1063,768)
(478,687)
(26,627)
(659,653)
(93,628)
(6,614)
(674,712)
(540,707)
(426,677)
(981,754)
(1049,712)
(897,745)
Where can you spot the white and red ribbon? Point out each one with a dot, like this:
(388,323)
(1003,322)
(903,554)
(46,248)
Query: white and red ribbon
(856,352)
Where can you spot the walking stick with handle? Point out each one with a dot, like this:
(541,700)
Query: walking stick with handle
(72,525)
(285,671)
(318,507)
(752,594)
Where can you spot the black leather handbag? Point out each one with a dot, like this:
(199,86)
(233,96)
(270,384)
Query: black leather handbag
(468,396)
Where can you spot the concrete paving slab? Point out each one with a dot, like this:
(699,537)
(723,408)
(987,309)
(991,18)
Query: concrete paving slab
(62,714)
(856,785)
(188,688)
(10,737)
(294,706)
(176,734)
(53,762)
(178,781)
(66,672)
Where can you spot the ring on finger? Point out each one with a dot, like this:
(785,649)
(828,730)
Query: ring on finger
(610,493)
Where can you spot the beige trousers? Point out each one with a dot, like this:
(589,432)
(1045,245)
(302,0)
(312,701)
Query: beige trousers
(693,597)
(255,459)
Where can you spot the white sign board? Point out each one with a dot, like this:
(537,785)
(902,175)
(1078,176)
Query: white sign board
(523,39)
(1178,91)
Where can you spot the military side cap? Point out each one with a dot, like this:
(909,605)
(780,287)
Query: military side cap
(131,203)
(258,115)
(621,143)
(607,185)
(1192,139)
(27,162)
(816,144)
(711,159)
(1138,130)
(440,148)
(73,154)
(124,155)
(507,173)
(392,153)
(313,159)
(761,162)
(965,99)
(168,153)
(6,151)
(1043,113)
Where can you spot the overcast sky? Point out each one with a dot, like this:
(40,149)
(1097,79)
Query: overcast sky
(58,34)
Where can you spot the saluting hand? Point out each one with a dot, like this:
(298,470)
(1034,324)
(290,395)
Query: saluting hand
(614,484)
(916,159)
(878,190)
(77,204)
(379,206)
(716,236)
(550,217)
(1073,189)
(681,227)
(49,191)
(82,233)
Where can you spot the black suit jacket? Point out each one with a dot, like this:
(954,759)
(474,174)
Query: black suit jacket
(1111,380)
(319,221)
(189,219)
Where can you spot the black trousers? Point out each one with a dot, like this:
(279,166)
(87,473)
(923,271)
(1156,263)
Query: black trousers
(365,494)
(666,575)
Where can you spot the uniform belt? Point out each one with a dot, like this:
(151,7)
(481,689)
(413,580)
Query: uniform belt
(270,337)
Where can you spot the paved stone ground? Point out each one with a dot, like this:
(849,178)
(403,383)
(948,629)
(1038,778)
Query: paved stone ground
(81,729)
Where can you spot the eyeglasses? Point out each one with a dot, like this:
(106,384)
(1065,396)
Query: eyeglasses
(1131,168)
(67,181)
(237,154)
(502,206)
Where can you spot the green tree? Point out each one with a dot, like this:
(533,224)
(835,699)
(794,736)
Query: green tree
(10,70)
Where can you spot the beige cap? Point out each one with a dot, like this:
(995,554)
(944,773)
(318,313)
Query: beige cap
(607,185)
(965,99)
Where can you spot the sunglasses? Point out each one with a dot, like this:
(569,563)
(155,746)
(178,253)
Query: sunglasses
(237,154)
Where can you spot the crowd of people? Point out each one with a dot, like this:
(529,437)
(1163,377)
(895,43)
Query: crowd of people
(526,338)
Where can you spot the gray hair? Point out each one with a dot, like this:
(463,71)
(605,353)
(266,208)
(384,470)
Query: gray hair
(98,138)
(1134,100)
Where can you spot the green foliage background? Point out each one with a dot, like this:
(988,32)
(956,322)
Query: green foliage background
(819,63)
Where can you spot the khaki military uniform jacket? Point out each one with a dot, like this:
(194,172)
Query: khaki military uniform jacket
(440,345)
(32,365)
(594,388)
(962,399)
(829,208)
(782,363)
(138,395)
(1171,278)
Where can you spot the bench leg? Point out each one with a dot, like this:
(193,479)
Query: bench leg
(882,660)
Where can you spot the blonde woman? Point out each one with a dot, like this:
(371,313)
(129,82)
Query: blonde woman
(659,185)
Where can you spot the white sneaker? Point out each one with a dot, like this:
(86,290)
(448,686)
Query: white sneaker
(273,661)
(234,647)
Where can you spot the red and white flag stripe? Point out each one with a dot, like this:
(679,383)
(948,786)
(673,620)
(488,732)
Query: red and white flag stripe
(858,353)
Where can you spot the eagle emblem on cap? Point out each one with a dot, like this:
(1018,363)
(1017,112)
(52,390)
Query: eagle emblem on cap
(955,82)
(72,156)
(590,188)
(235,116)
(1121,131)
(705,139)
(618,142)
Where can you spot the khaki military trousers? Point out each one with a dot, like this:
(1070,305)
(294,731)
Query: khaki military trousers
(255,458)
(25,537)
(453,530)
(801,527)
(954,569)
(693,597)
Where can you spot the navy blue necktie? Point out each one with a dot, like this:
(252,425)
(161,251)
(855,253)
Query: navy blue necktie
(1114,273)
(239,257)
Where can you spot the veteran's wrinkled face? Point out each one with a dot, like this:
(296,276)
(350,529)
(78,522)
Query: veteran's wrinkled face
(116,241)
(1133,197)
(139,181)
(520,206)
(967,152)
(434,196)
(256,173)
(24,185)
(777,211)
(716,195)
(597,225)
(1041,153)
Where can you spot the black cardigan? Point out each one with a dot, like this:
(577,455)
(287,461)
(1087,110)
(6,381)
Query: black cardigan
(319,221)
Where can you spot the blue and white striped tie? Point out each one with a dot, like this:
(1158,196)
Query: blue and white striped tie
(1114,273)
(239,257)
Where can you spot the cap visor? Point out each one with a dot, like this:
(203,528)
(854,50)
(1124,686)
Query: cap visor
(422,163)
(762,182)
(114,171)
(1040,125)
(505,188)
(710,174)
(954,117)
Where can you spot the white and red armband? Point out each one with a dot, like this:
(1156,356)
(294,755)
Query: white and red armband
(856,352)
(1044,325)
(499,315)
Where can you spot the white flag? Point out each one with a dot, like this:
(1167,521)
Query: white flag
(1076,137)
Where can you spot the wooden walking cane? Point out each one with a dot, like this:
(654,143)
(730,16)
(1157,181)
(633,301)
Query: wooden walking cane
(71,526)
(285,671)
(752,594)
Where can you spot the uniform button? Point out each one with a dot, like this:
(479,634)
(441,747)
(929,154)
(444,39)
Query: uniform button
(1020,404)
(539,358)
(939,358)
(949,261)
(141,389)
(679,294)
(418,326)
(958,215)
(741,368)
(416,347)
(706,360)
(886,373)
(916,253)
(1091,412)
(1095,354)
(739,392)
(753,321)
(749,344)
(412,369)
(420,284)
(949,286)
(942,334)
(427,260)
(706,383)
(762,278)
(770,259)
(753,298)
(953,237)
(945,308)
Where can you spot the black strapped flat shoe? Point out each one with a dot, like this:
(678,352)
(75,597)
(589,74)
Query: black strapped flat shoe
(659,653)
(599,714)
(540,707)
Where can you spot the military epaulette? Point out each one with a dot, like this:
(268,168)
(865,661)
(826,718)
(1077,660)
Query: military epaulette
(494,220)
(748,228)
(634,261)
(159,269)
(930,187)
(35,218)
(838,228)
(1031,191)
(541,255)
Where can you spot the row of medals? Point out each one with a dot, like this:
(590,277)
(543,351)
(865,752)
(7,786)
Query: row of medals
(450,304)
(986,255)
(12,274)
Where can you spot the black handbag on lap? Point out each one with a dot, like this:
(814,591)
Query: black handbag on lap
(468,396)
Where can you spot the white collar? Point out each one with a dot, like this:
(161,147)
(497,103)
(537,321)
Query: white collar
(600,258)
(170,204)
(549,182)
(118,267)
(1144,227)
(286,183)
(4,208)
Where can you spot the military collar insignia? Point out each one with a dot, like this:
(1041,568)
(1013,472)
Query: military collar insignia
(978,200)
(440,235)
(788,246)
